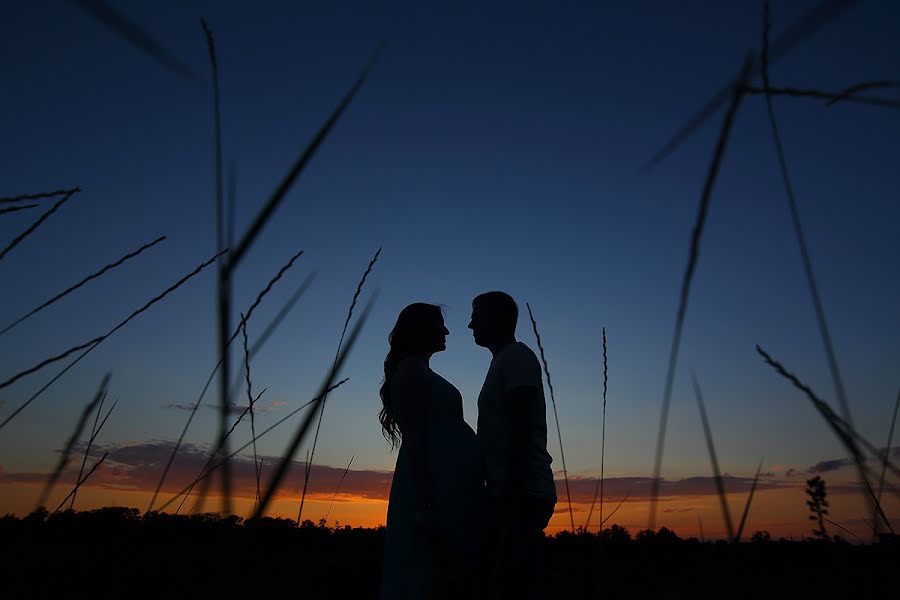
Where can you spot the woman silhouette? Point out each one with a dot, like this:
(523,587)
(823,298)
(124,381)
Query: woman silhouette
(433,538)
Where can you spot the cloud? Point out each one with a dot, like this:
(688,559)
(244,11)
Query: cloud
(640,488)
(826,466)
(830,465)
(236,410)
(138,466)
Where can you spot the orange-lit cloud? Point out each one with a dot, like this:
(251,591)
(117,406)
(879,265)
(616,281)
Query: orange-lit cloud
(138,467)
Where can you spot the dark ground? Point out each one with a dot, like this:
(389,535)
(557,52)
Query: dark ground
(117,553)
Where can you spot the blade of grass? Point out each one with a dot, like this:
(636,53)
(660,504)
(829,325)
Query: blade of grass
(95,431)
(102,338)
(562,454)
(614,511)
(38,196)
(218,449)
(262,294)
(15,242)
(88,447)
(281,191)
(207,472)
(337,353)
(887,450)
(73,438)
(693,255)
(338,488)
(798,228)
(832,97)
(232,200)
(250,403)
(710,446)
(223,281)
(49,361)
(13,209)
(81,481)
(279,317)
(288,456)
(740,531)
(237,382)
(861,87)
(90,443)
(599,487)
(81,283)
(811,22)
(842,528)
(138,37)
(841,429)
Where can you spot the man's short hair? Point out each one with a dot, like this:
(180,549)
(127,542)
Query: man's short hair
(502,306)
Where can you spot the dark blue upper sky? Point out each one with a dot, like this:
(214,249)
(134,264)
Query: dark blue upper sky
(495,146)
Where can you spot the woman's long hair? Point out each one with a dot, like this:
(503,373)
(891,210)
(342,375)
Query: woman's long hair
(413,331)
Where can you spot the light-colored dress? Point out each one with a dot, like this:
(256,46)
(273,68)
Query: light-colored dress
(412,567)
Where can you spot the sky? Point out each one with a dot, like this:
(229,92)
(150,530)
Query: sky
(494,146)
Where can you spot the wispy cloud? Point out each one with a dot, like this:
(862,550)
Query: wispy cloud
(137,467)
(826,466)
(236,409)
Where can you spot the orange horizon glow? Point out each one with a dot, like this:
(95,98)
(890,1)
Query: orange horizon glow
(781,512)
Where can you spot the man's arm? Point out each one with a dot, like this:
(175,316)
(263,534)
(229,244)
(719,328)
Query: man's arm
(520,402)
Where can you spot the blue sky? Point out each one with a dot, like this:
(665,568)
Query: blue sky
(493,147)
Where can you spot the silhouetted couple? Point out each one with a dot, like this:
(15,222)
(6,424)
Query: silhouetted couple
(467,512)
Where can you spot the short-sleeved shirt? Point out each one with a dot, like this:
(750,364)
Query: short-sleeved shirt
(514,366)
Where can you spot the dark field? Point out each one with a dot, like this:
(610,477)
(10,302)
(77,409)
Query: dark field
(116,553)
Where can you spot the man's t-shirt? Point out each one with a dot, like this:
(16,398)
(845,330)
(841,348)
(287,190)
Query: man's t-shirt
(514,366)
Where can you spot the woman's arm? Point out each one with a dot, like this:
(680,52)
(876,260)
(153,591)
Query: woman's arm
(410,392)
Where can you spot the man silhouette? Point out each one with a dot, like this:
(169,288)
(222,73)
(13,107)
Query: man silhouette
(512,436)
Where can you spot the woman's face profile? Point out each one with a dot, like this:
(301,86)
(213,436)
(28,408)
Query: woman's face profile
(440,334)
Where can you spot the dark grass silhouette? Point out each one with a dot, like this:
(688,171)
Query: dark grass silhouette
(693,255)
(740,529)
(31,228)
(300,434)
(229,266)
(217,451)
(12,209)
(831,97)
(38,196)
(97,341)
(223,279)
(562,454)
(312,452)
(811,22)
(271,327)
(138,37)
(73,439)
(337,489)
(95,431)
(599,488)
(79,483)
(887,448)
(714,461)
(250,402)
(81,283)
(845,433)
(207,471)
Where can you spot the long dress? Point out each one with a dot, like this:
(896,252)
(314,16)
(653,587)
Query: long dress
(414,568)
